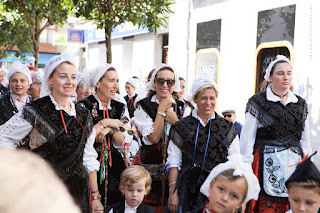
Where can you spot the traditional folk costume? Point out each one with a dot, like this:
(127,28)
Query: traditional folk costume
(64,139)
(275,135)
(151,155)
(130,103)
(10,103)
(196,148)
(130,99)
(59,137)
(116,109)
(122,207)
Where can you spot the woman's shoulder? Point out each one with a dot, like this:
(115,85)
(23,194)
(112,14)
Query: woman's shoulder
(88,102)
(118,98)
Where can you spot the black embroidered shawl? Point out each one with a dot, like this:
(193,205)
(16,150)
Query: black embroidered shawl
(64,151)
(283,124)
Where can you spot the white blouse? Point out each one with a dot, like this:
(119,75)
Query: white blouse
(124,146)
(144,122)
(18,102)
(251,124)
(15,129)
(174,153)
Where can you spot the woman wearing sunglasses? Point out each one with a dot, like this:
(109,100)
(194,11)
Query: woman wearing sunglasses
(275,135)
(116,133)
(153,118)
(198,143)
(60,132)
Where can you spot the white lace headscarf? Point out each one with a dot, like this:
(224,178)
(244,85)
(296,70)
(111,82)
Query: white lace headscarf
(240,169)
(134,82)
(66,56)
(92,77)
(151,86)
(19,67)
(278,58)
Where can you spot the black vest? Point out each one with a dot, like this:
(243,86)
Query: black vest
(152,154)
(7,109)
(130,104)
(117,112)
(143,208)
(183,135)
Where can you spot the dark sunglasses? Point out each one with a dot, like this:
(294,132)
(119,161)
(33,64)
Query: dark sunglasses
(229,116)
(129,130)
(160,81)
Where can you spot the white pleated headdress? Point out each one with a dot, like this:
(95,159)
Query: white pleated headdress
(65,56)
(202,82)
(278,58)
(19,67)
(240,169)
(91,77)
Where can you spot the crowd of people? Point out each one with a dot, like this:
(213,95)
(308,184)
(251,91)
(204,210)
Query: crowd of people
(154,150)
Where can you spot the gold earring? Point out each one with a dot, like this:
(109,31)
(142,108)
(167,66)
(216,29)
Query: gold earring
(235,210)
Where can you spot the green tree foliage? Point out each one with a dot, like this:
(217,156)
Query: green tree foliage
(37,15)
(13,33)
(107,14)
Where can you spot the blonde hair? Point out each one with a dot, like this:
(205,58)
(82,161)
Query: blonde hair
(310,184)
(26,178)
(199,91)
(133,174)
(228,174)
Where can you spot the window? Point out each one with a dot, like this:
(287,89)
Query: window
(276,24)
(208,34)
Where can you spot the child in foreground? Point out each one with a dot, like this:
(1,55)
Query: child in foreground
(228,186)
(303,188)
(135,183)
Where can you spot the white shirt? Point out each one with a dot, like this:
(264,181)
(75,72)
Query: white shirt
(249,129)
(18,102)
(127,209)
(174,153)
(15,129)
(144,122)
(125,116)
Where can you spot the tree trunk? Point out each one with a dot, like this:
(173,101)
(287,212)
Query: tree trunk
(107,31)
(36,42)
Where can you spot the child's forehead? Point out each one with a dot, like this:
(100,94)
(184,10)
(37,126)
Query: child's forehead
(141,181)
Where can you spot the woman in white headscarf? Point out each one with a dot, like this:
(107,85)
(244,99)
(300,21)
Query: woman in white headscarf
(274,136)
(107,105)
(197,144)
(61,132)
(19,79)
(154,116)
